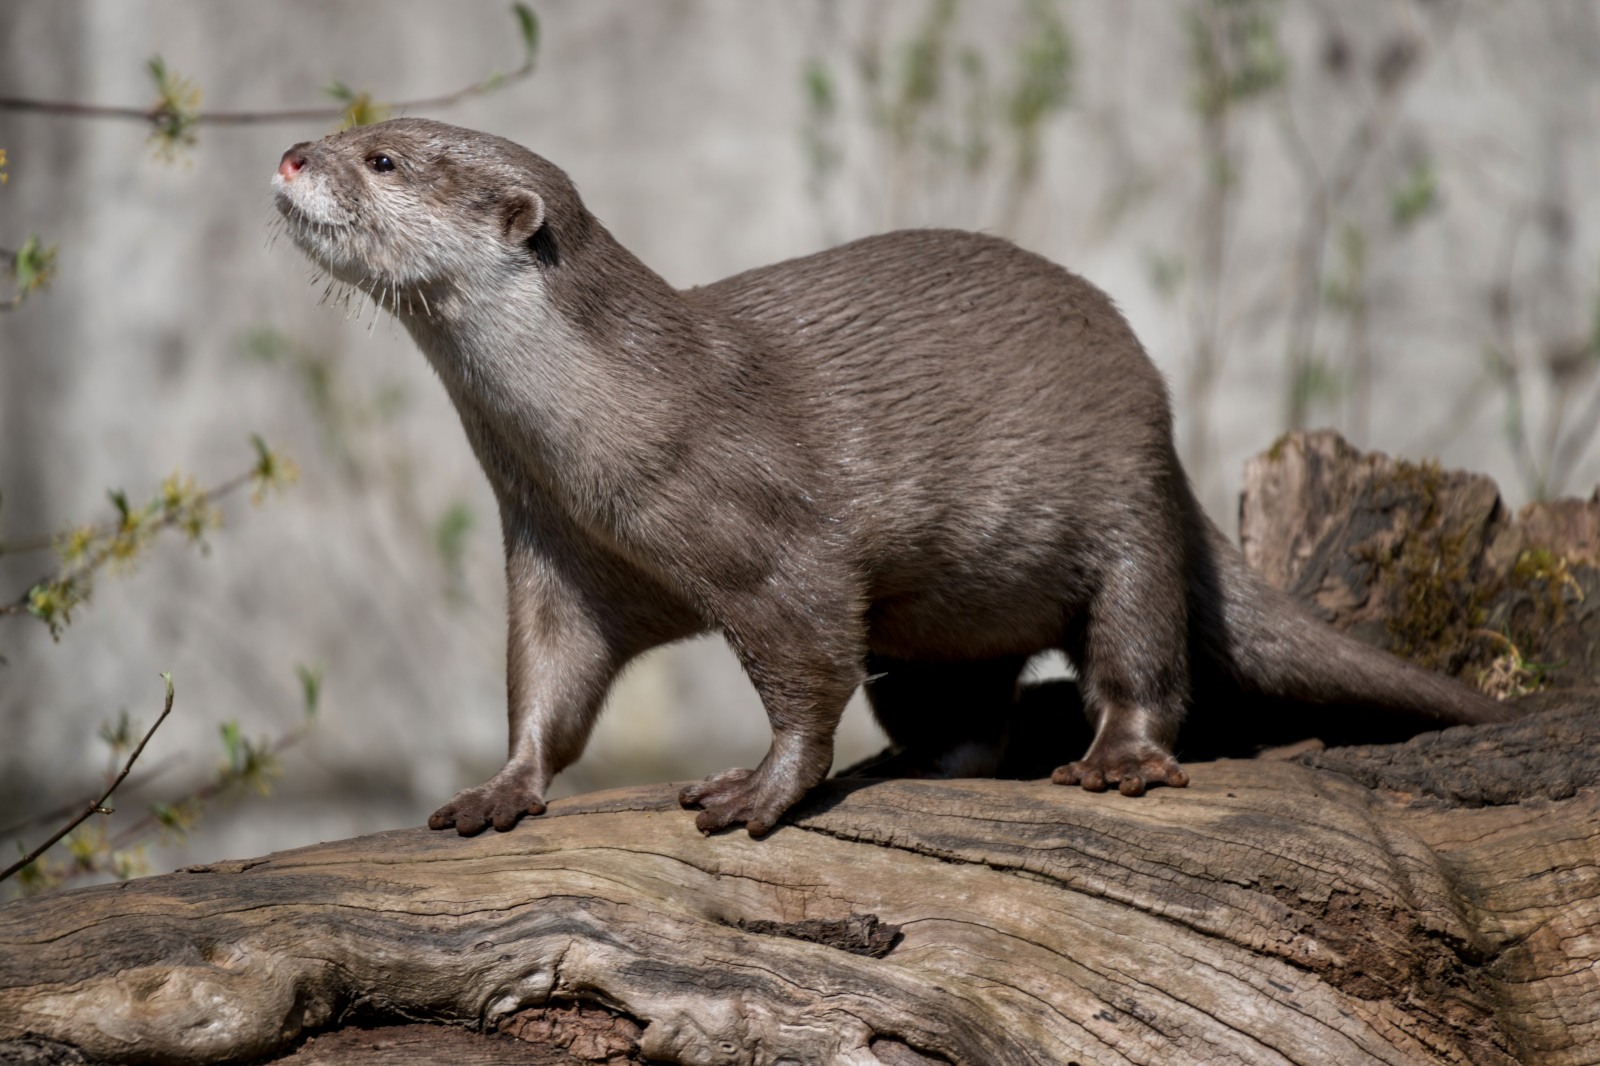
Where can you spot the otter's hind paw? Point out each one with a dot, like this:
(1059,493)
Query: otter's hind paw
(1131,773)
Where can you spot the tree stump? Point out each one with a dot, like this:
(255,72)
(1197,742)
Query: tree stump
(1429,563)
(1430,902)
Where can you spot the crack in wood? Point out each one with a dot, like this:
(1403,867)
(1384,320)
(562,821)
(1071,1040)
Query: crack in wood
(859,934)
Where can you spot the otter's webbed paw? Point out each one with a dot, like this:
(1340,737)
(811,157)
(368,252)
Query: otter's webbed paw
(500,801)
(751,798)
(1131,769)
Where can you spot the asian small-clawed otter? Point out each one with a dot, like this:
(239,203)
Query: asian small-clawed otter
(911,462)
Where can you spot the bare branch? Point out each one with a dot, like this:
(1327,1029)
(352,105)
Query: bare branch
(159,112)
(97,806)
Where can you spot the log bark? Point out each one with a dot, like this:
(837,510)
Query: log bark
(1430,902)
(1270,913)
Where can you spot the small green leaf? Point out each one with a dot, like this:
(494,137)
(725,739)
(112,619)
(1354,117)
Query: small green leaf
(528,23)
(820,93)
(176,111)
(310,687)
(272,471)
(232,743)
(52,602)
(1417,196)
(177,818)
(33,266)
(450,535)
(363,110)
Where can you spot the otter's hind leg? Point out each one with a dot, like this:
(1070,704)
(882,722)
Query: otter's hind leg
(944,719)
(1133,664)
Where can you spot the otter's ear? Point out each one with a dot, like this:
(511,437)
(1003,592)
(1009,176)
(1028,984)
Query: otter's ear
(525,223)
(521,215)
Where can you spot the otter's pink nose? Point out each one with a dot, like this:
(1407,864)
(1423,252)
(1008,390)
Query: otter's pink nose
(291,164)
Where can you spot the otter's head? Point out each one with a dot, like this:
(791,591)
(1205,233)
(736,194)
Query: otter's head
(412,205)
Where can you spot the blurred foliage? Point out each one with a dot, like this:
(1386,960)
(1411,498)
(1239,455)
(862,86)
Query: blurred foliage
(450,536)
(176,112)
(101,847)
(33,268)
(941,112)
(1235,53)
(1415,196)
(341,412)
(360,109)
(84,550)
(352,424)
(175,116)
(1043,85)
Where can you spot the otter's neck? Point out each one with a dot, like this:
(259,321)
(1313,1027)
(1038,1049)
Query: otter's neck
(582,375)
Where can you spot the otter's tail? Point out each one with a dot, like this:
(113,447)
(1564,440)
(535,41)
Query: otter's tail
(1268,645)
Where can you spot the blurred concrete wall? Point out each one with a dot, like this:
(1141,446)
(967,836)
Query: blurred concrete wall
(711,136)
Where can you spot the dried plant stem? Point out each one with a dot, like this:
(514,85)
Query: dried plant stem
(97,806)
(154,114)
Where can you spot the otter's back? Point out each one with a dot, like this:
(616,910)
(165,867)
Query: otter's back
(989,412)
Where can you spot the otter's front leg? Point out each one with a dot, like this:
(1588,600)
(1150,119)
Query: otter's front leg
(559,664)
(805,663)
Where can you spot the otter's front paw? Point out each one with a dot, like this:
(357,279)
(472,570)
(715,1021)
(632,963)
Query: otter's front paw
(1132,771)
(501,802)
(736,797)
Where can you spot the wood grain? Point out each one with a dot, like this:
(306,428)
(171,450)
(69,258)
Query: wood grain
(1270,913)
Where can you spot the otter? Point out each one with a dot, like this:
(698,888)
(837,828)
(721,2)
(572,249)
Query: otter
(910,463)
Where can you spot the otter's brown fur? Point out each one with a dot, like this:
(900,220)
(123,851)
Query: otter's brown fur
(924,456)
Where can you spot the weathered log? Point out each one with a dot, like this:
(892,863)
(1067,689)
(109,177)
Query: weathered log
(1268,913)
(1431,902)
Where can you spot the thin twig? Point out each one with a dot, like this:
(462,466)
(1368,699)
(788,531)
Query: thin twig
(160,111)
(125,838)
(138,781)
(150,115)
(97,806)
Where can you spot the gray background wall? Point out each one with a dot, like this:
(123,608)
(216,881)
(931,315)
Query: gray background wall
(685,123)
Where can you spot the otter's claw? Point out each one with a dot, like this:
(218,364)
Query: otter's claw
(1131,773)
(501,802)
(738,797)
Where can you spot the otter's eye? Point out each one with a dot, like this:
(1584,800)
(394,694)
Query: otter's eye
(380,162)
